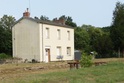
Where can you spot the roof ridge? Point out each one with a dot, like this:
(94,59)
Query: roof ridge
(44,22)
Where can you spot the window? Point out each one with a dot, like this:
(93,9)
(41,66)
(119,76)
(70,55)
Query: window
(69,51)
(58,51)
(58,34)
(59,55)
(47,33)
(68,35)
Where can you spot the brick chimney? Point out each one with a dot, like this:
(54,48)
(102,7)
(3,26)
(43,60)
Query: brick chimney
(60,21)
(55,20)
(26,13)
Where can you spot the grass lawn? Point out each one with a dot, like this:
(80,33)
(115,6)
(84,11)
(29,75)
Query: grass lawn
(113,72)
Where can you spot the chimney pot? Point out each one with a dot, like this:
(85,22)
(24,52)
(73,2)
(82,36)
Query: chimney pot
(26,13)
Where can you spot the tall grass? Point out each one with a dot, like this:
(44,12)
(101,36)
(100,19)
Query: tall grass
(4,56)
(111,73)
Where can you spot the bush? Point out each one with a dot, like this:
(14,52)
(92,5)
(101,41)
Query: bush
(4,56)
(86,60)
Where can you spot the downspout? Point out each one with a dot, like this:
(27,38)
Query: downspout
(14,42)
(42,45)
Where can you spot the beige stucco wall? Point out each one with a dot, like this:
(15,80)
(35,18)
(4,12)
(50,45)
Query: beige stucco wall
(29,41)
(53,42)
(26,42)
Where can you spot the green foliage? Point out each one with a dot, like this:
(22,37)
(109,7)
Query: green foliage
(68,21)
(110,73)
(117,29)
(44,18)
(82,39)
(86,60)
(89,38)
(104,45)
(4,56)
(6,23)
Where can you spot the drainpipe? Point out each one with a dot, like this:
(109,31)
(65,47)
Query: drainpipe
(42,45)
(14,42)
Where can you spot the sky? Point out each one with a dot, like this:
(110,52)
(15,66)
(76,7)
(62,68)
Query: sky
(97,13)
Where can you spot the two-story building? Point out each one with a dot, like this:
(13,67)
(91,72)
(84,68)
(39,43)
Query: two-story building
(42,41)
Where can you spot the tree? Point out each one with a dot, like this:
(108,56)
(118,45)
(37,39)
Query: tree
(36,17)
(68,21)
(82,39)
(94,34)
(44,18)
(106,29)
(117,29)
(6,23)
(103,46)
(100,40)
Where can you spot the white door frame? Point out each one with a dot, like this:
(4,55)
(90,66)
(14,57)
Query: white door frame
(46,54)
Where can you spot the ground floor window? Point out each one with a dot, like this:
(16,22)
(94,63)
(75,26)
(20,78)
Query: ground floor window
(58,51)
(69,51)
(59,55)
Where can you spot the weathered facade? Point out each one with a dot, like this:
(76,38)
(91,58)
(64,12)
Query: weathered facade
(43,41)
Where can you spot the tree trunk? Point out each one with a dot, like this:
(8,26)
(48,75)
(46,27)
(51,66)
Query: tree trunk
(123,52)
(119,52)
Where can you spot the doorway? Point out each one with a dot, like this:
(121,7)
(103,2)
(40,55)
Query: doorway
(47,54)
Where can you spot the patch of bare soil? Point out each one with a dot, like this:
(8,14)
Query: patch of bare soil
(13,70)
(18,70)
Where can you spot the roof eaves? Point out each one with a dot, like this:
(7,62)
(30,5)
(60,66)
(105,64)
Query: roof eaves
(17,21)
(55,24)
(41,21)
(24,18)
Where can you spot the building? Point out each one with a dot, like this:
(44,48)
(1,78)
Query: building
(43,41)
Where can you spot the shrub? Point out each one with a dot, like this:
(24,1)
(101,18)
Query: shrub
(4,56)
(86,60)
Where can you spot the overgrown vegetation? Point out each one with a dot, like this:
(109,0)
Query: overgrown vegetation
(117,29)
(106,41)
(4,56)
(111,73)
(86,60)
(6,23)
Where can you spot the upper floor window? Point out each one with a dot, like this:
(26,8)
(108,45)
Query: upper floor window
(68,35)
(58,34)
(47,33)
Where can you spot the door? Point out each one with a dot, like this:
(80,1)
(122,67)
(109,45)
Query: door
(47,55)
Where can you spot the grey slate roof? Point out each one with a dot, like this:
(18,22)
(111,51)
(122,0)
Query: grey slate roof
(43,22)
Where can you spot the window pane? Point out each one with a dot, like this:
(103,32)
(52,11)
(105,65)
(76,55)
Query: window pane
(68,34)
(58,34)
(69,51)
(58,51)
(47,33)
